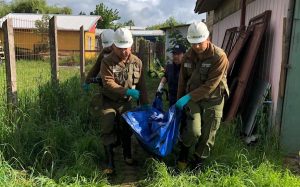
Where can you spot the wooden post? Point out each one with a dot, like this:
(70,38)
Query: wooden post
(53,49)
(143,53)
(151,54)
(11,75)
(82,53)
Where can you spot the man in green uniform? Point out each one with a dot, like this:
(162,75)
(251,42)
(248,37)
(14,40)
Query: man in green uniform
(107,41)
(201,89)
(123,80)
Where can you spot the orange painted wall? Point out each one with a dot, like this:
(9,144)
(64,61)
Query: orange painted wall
(68,41)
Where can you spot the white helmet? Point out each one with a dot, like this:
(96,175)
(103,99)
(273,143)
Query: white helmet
(197,33)
(123,38)
(107,37)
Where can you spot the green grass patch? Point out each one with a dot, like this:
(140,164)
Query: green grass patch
(51,140)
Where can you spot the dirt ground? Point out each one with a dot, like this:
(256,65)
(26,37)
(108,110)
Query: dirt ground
(129,175)
(292,162)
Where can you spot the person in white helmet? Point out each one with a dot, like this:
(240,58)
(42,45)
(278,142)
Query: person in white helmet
(201,89)
(93,74)
(122,76)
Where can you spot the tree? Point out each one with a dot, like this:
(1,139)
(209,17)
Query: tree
(129,23)
(43,24)
(58,10)
(37,6)
(108,16)
(177,38)
(4,8)
(28,6)
(170,22)
(82,13)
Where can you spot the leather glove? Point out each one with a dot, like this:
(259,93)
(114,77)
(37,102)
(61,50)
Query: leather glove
(86,87)
(183,101)
(135,94)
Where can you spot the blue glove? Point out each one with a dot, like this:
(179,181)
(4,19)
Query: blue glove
(135,94)
(86,87)
(183,101)
(145,107)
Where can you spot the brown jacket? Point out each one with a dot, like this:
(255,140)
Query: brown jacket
(203,76)
(117,78)
(96,67)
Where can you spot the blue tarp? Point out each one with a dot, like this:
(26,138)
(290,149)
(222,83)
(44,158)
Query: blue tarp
(155,129)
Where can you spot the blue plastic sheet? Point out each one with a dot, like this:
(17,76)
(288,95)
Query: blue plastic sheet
(155,129)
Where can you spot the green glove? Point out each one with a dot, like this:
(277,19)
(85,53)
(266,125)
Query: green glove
(86,87)
(183,101)
(135,94)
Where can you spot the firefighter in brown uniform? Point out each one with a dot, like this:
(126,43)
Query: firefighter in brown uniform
(123,80)
(93,74)
(201,89)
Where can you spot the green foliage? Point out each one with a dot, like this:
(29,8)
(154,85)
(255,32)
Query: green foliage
(42,29)
(28,6)
(31,6)
(171,21)
(108,16)
(156,69)
(4,8)
(129,23)
(177,38)
(58,10)
(51,141)
(232,163)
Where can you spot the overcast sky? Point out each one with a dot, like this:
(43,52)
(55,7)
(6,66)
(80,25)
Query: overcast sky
(142,12)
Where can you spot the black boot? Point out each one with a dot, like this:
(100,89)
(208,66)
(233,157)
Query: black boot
(126,144)
(183,157)
(197,163)
(109,157)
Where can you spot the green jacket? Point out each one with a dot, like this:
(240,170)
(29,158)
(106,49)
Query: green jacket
(203,76)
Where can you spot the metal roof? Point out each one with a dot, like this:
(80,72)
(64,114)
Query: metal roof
(139,32)
(64,22)
(206,5)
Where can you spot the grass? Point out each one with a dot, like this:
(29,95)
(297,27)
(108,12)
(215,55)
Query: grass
(51,140)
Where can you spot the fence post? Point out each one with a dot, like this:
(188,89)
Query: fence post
(82,53)
(11,75)
(151,53)
(143,53)
(53,49)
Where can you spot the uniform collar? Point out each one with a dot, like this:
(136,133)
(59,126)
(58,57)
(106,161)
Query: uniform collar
(118,61)
(209,52)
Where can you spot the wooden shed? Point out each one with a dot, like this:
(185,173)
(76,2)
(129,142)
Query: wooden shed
(27,39)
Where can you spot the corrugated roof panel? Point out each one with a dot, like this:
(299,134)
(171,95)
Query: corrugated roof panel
(64,22)
(139,32)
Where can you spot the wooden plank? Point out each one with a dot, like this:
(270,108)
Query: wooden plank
(285,47)
(82,59)
(11,75)
(53,49)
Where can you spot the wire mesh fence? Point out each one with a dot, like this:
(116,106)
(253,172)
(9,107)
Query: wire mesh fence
(2,83)
(32,57)
(32,52)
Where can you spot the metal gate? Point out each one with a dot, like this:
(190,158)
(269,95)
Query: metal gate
(290,129)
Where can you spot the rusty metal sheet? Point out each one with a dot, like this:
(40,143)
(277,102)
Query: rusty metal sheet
(241,41)
(257,26)
(259,93)
(230,38)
